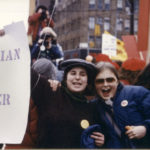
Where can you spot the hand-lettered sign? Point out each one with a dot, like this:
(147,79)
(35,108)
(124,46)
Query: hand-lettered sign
(14,83)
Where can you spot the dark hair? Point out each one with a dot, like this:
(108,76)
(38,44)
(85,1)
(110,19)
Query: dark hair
(106,65)
(143,78)
(128,75)
(42,7)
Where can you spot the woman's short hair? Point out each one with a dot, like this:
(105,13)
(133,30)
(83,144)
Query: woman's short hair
(106,65)
(41,7)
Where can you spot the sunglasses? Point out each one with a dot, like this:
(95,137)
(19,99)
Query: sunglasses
(101,81)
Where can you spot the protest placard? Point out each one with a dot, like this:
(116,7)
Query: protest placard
(15,83)
(109,45)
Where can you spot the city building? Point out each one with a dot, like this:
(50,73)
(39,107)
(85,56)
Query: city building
(82,22)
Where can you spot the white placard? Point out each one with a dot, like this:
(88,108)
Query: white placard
(109,45)
(15,83)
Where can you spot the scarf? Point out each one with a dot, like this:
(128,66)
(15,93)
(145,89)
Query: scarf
(75,96)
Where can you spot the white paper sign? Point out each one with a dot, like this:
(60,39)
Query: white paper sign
(109,45)
(15,83)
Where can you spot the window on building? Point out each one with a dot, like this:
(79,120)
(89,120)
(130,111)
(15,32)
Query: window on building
(63,29)
(73,43)
(71,25)
(127,9)
(91,22)
(136,6)
(127,25)
(91,42)
(100,20)
(119,4)
(119,24)
(91,4)
(100,23)
(100,4)
(78,23)
(106,23)
(98,42)
(135,26)
(107,4)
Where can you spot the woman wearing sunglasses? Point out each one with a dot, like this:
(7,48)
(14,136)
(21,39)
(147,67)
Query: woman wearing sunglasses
(125,109)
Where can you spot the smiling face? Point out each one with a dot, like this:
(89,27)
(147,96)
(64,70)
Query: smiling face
(106,84)
(77,79)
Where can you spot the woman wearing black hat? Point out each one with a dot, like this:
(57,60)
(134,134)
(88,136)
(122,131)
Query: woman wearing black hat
(65,113)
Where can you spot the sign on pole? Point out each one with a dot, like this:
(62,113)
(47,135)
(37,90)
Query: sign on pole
(109,45)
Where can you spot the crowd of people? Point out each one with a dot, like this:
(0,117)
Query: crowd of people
(61,114)
(42,38)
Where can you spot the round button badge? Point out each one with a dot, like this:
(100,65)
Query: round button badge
(84,124)
(124,103)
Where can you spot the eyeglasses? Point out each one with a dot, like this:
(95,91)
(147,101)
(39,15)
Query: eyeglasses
(101,81)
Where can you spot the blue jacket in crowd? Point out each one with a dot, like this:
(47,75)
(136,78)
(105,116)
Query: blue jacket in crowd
(51,54)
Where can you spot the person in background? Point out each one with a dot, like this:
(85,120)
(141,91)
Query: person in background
(44,47)
(130,69)
(143,78)
(46,68)
(125,109)
(103,57)
(65,113)
(40,19)
(90,58)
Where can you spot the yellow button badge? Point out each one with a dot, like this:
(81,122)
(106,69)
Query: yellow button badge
(84,124)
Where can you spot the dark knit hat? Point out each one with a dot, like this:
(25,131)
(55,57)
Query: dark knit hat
(45,67)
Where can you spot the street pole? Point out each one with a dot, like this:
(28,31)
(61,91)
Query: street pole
(131,17)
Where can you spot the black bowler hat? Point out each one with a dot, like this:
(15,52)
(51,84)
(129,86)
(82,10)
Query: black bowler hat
(70,63)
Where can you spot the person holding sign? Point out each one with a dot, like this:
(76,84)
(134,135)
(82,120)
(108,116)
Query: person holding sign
(65,113)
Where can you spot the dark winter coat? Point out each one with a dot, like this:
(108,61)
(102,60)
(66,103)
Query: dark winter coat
(59,116)
(135,112)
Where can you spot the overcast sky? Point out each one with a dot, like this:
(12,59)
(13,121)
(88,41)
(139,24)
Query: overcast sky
(13,11)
